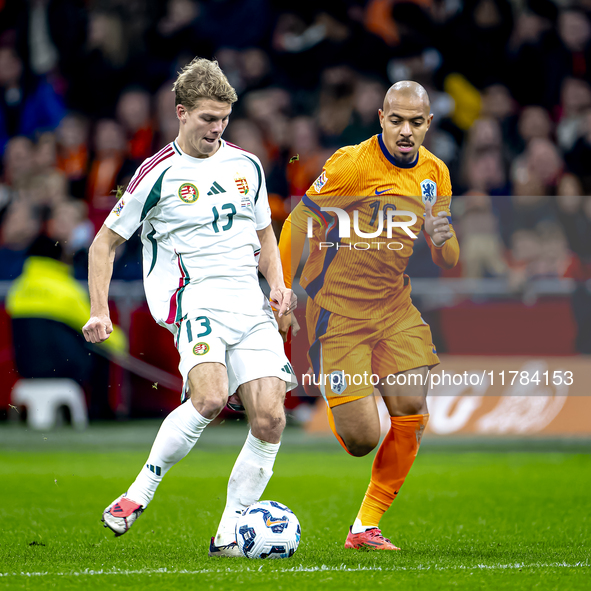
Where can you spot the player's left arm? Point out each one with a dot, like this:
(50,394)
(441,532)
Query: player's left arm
(282,298)
(270,266)
(438,228)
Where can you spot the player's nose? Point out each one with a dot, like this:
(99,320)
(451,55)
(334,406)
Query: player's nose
(217,127)
(405,130)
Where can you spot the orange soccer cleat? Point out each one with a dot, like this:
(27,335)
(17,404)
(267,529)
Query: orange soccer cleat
(371,539)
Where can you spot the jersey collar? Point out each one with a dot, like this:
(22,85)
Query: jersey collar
(393,160)
(177,149)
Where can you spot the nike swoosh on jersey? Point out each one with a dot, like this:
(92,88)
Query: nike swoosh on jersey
(382,192)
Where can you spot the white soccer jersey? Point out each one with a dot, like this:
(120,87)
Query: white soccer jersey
(200,217)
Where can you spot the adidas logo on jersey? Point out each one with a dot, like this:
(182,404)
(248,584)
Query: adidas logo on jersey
(216,189)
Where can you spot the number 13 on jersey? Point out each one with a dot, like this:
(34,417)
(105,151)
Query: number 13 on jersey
(229,211)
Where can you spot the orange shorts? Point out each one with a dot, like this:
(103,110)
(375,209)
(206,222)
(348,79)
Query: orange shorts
(349,356)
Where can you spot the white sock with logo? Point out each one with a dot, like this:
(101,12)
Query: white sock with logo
(251,473)
(177,435)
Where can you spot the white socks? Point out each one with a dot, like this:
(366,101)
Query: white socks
(359,528)
(177,435)
(249,478)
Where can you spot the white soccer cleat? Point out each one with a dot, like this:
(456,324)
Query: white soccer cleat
(120,515)
(229,551)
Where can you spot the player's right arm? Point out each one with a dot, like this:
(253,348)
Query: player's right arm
(335,187)
(138,203)
(100,270)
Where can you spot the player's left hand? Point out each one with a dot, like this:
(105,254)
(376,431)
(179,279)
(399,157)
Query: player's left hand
(283,300)
(437,226)
(286,322)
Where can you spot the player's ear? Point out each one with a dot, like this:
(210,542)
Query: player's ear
(381,116)
(429,119)
(181,113)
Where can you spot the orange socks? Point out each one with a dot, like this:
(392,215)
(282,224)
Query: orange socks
(390,467)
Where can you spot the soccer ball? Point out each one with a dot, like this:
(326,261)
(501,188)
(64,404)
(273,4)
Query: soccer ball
(268,529)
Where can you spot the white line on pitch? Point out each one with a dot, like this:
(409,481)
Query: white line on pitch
(296,569)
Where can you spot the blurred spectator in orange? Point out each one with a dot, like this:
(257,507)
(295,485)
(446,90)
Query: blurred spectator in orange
(109,148)
(482,247)
(301,173)
(72,152)
(28,104)
(133,113)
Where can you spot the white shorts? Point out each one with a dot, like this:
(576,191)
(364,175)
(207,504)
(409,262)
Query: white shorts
(249,346)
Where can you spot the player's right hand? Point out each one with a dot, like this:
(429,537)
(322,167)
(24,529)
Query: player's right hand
(97,329)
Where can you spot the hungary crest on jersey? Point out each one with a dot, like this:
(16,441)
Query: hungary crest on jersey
(242,185)
(188,193)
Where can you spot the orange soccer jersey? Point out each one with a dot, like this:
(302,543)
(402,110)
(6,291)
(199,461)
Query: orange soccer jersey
(360,276)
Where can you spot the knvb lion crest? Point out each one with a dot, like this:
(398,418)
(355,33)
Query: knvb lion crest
(338,382)
(429,191)
(242,185)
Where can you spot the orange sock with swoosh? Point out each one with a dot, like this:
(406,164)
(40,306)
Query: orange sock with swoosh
(390,468)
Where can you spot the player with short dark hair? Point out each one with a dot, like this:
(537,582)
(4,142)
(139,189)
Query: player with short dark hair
(360,316)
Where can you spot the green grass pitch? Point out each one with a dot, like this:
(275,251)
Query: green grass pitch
(468,517)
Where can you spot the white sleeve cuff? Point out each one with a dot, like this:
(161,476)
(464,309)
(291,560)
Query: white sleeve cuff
(438,246)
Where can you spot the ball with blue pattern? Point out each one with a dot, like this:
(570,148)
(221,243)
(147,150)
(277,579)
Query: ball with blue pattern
(268,529)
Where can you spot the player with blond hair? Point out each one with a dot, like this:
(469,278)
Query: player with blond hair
(206,229)
(359,315)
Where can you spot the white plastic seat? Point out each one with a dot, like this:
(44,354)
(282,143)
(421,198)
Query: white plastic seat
(43,398)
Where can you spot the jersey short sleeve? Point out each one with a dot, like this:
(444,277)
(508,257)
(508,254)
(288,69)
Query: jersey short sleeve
(137,204)
(337,184)
(262,211)
(444,182)
(444,193)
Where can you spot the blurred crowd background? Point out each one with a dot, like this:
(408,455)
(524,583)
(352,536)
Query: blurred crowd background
(85,96)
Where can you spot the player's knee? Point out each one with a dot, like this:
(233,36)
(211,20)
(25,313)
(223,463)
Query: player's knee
(268,426)
(210,405)
(361,446)
(410,405)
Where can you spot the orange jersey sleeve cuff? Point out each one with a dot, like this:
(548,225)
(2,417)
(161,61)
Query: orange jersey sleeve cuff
(291,243)
(446,256)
